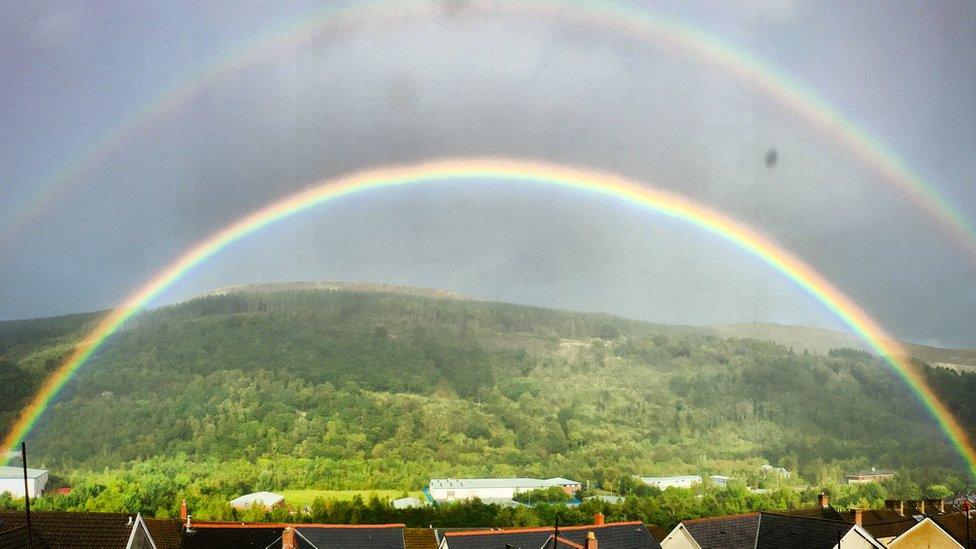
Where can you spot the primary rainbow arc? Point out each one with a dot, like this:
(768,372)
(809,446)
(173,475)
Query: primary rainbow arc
(637,24)
(471,171)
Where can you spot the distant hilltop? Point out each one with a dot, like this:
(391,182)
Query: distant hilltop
(334,286)
(814,340)
(820,341)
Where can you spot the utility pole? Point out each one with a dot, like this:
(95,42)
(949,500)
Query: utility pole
(965,507)
(23,457)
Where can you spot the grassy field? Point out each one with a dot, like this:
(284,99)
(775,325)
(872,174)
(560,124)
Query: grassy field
(301,498)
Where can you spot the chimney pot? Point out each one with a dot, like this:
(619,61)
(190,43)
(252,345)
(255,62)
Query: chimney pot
(183,510)
(895,505)
(598,519)
(823,500)
(857,516)
(591,542)
(288,539)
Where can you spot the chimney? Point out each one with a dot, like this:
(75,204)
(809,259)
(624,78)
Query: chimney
(895,505)
(183,511)
(857,517)
(935,506)
(591,542)
(598,520)
(288,539)
(823,500)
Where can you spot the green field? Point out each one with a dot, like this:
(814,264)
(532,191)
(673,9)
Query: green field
(306,497)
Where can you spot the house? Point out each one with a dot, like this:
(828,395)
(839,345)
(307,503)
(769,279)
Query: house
(605,498)
(914,507)
(267,500)
(926,533)
(617,535)
(232,535)
(236,535)
(864,477)
(720,481)
(961,526)
(777,531)
(12,480)
(731,532)
(494,489)
(767,530)
(419,538)
(369,536)
(663,483)
(884,524)
(406,503)
(60,529)
(769,471)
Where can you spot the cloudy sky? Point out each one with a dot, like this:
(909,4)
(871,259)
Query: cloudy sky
(373,85)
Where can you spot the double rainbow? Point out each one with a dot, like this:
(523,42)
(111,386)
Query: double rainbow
(470,171)
(636,24)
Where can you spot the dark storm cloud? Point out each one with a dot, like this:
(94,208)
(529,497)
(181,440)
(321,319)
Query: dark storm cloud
(475,84)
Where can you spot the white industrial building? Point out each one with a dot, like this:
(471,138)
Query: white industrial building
(267,500)
(663,483)
(12,480)
(494,489)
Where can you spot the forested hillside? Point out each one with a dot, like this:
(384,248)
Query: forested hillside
(356,390)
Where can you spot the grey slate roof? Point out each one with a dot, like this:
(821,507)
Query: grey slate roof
(730,532)
(777,531)
(237,537)
(619,535)
(74,529)
(384,536)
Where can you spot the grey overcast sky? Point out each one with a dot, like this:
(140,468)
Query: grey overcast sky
(463,79)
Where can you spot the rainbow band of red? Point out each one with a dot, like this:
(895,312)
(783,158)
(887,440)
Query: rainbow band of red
(475,170)
(637,24)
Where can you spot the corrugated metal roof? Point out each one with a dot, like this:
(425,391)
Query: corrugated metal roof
(7,471)
(520,483)
(263,498)
(672,479)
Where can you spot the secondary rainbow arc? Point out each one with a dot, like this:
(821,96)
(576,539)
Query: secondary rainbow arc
(468,171)
(637,24)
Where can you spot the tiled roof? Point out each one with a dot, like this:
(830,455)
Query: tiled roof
(419,538)
(777,531)
(63,529)
(166,533)
(890,529)
(618,535)
(828,513)
(231,536)
(731,532)
(656,531)
(955,525)
(874,516)
(380,536)
(16,538)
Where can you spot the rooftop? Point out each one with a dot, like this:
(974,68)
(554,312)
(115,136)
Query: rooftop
(734,531)
(618,535)
(263,498)
(675,478)
(7,471)
(519,482)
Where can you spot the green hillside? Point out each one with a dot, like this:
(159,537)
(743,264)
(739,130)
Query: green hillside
(344,390)
(819,340)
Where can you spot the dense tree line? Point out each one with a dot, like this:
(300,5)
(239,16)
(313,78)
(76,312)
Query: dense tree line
(342,390)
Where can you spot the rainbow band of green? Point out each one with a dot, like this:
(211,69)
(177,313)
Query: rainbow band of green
(468,171)
(639,25)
